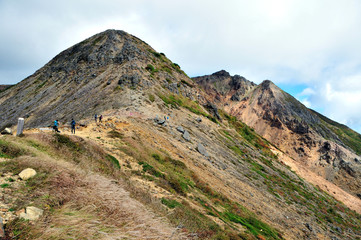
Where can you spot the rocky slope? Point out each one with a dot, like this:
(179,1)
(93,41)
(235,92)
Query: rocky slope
(164,148)
(330,149)
(95,75)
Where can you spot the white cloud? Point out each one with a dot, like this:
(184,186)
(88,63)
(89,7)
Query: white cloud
(306,102)
(340,100)
(299,41)
(307,91)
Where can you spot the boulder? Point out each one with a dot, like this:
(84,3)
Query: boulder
(199,119)
(7,131)
(161,121)
(180,129)
(202,150)
(27,173)
(31,213)
(213,109)
(186,135)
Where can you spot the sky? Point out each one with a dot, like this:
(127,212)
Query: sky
(309,48)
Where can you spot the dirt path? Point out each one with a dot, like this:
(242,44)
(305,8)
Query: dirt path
(134,220)
(138,222)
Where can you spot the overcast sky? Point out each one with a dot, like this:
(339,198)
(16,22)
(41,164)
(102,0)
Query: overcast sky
(310,48)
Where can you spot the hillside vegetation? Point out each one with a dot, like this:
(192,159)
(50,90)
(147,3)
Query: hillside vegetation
(121,161)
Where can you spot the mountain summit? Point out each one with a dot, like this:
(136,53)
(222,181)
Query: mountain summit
(87,78)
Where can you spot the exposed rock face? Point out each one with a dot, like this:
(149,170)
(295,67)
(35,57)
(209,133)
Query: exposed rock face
(284,121)
(222,86)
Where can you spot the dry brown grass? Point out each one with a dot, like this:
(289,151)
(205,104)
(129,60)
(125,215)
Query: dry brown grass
(78,203)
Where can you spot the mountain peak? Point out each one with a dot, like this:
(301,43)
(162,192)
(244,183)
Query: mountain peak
(222,73)
(266,84)
(102,66)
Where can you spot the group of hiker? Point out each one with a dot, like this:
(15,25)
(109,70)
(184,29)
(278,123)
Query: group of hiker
(73,123)
(96,118)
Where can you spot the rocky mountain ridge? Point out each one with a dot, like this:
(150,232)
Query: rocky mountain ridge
(174,147)
(303,134)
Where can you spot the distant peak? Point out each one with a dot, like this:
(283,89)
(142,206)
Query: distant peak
(266,84)
(222,73)
(112,31)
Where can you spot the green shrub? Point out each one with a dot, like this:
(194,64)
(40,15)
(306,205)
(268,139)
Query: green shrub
(170,203)
(176,66)
(113,160)
(255,226)
(115,134)
(118,88)
(151,97)
(156,157)
(150,169)
(11,179)
(187,83)
(62,140)
(8,150)
(158,55)
(175,163)
(37,145)
(150,68)
(177,185)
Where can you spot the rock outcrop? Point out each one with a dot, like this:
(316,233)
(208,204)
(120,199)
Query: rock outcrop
(301,133)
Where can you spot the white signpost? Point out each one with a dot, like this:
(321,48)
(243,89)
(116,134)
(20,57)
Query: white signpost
(20,128)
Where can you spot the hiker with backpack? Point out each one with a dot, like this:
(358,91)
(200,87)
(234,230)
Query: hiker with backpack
(96,117)
(100,118)
(56,125)
(72,126)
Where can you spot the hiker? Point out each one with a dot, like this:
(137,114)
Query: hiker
(72,126)
(100,118)
(96,117)
(56,125)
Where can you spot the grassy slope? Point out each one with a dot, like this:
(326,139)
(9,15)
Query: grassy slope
(155,165)
(54,189)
